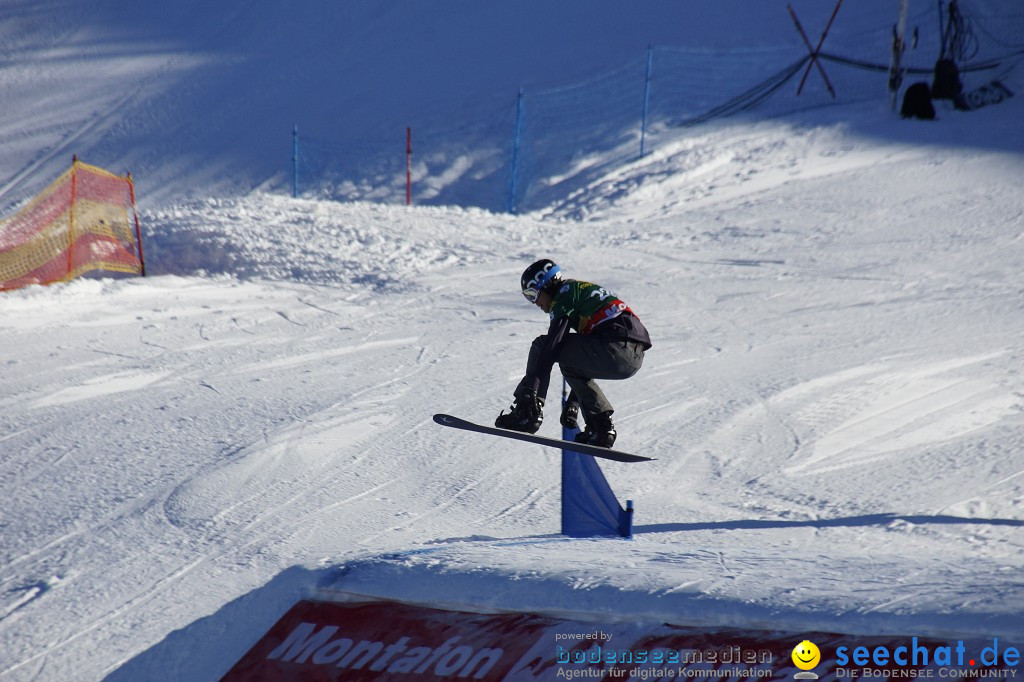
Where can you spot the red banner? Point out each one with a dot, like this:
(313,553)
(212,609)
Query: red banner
(319,641)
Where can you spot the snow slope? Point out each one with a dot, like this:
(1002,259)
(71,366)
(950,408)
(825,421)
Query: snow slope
(834,395)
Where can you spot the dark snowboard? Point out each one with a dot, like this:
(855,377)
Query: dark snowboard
(582,448)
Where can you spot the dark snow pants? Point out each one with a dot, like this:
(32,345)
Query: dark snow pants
(584,358)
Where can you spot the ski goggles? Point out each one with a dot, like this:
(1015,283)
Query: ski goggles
(533,289)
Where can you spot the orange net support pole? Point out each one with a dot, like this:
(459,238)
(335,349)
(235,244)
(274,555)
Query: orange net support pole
(71,215)
(138,230)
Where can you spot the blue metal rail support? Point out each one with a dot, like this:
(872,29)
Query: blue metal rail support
(589,506)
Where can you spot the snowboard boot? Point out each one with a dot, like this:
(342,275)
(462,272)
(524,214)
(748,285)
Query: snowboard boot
(600,431)
(571,413)
(526,414)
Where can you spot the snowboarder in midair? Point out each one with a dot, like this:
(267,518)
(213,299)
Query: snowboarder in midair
(609,343)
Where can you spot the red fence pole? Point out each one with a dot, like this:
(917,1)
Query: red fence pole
(408,166)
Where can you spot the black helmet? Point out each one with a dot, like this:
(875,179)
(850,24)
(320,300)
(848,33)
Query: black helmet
(538,277)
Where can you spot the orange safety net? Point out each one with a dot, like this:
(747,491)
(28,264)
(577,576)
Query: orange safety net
(85,220)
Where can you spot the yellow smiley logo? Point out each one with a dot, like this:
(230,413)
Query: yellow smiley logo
(806,655)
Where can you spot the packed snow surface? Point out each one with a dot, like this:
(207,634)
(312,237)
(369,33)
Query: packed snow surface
(834,396)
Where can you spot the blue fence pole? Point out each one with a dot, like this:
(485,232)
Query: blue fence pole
(295,162)
(647,100)
(515,153)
